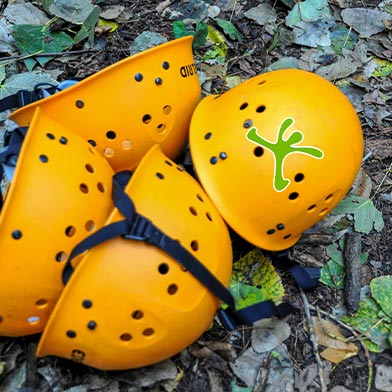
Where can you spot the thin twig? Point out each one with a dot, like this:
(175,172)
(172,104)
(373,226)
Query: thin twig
(312,338)
(54,54)
(356,334)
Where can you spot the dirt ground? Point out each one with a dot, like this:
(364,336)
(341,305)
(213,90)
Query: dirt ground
(200,369)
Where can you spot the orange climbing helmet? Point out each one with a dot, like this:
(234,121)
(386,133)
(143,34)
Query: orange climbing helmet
(60,194)
(129,303)
(276,154)
(131,105)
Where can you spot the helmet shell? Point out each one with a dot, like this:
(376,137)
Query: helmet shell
(276,154)
(128,304)
(59,195)
(131,105)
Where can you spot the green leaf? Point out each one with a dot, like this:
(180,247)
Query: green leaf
(73,11)
(381,289)
(33,39)
(342,37)
(255,279)
(24,81)
(335,253)
(307,11)
(332,275)
(88,26)
(366,215)
(180,30)
(368,322)
(229,29)
(245,294)
(200,35)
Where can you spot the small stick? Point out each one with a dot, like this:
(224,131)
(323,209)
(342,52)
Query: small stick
(352,285)
(312,338)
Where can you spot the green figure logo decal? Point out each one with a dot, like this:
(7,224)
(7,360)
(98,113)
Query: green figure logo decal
(282,148)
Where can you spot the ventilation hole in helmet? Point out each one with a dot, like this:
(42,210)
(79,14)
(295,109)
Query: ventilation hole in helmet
(163,268)
(172,289)
(299,177)
(126,144)
(89,168)
(43,158)
(293,195)
(213,160)
(91,325)
(87,303)
(280,226)
(244,106)
(323,211)
(222,155)
(1,319)
(101,187)
(262,82)
(329,197)
(165,65)
(200,198)
(78,355)
(79,104)
(180,168)
(108,152)
(312,208)
(41,303)
(194,245)
(137,315)
(207,136)
(83,188)
(61,256)
(63,140)
(111,135)
(193,211)
(138,77)
(209,217)
(146,119)
(50,136)
(148,332)
(287,236)
(168,163)
(71,334)
(258,151)
(183,269)
(260,109)
(161,128)
(160,175)
(167,109)
(126,337)
(270,231)
(247,123)
(158,81)
(70,231)
(92,142)
(16,234)
(89,225)
(33,320)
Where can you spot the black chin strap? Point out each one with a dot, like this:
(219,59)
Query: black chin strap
(138,228)
(10,152)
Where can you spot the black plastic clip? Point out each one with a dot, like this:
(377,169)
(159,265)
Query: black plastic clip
(142,229)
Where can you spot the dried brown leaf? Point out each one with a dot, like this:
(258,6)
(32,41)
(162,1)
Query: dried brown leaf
(362,185)
(329,335)
(381,148)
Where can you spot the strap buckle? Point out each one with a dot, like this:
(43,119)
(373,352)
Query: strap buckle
(142,229)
